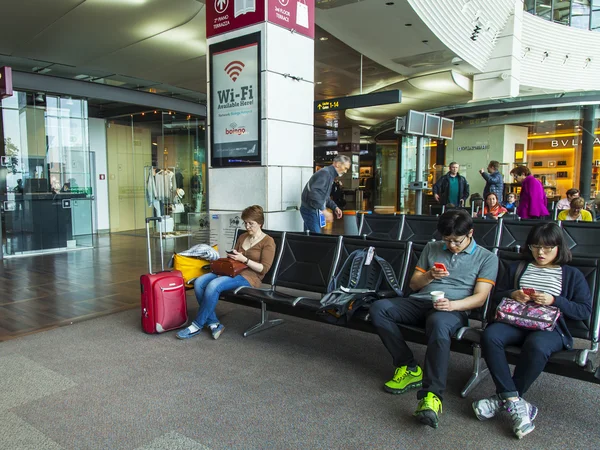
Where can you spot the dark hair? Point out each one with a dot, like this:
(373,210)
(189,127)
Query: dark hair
(549,234)
(456,222)
(520,171)
(489,195)
(572,192)
(577,202)
(494,164)
(255,213)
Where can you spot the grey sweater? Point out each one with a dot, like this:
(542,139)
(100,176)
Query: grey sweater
(316,193)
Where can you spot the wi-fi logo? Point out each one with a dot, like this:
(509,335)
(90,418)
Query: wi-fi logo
(234,69)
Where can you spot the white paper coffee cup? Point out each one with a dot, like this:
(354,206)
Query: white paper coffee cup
(437,296)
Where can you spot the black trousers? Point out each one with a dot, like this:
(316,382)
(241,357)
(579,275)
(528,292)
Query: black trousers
(440,326)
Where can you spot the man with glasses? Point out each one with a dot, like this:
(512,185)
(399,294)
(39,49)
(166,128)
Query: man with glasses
(463,279)
(317,192)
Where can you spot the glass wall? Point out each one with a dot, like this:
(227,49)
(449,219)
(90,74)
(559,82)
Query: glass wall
(584,14)
(45,174)
(157,167)
(546,138)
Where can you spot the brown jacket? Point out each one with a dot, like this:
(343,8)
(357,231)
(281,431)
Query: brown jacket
(262,252)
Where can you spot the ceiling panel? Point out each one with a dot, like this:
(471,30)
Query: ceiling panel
(24,19)
(98,27)
(176,45)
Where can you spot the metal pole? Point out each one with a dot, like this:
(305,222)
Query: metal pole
(419,175)
(361,70)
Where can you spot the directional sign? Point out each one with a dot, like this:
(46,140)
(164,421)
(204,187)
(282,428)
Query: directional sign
(359,101)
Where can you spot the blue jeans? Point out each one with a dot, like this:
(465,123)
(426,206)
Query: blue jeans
(208,288)
(536,348)
(311,219)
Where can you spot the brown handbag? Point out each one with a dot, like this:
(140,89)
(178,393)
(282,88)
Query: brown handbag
(227,266)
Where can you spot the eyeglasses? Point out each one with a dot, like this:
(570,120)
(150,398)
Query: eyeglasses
(250,224)
(454,243)
(544,248)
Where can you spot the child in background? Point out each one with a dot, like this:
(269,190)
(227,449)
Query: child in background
(509,204)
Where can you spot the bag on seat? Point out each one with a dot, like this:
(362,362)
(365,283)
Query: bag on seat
(358,284)
(227,266)
(191,267)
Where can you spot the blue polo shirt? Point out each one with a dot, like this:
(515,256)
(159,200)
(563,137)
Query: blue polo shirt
(474,264)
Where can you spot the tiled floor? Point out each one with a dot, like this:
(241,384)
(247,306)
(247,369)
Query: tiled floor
(47,291)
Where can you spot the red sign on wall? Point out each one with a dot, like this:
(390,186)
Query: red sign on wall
(297,15)
(6,87)
(228,15)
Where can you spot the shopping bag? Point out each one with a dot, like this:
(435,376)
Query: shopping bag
(302,13)
(190,267)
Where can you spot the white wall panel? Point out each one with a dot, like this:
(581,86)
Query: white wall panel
(284,221)
(97,133)
(287,99)
(556,72)
(453,22)
(288,52)
(273,188)
(288,144)
(234,189)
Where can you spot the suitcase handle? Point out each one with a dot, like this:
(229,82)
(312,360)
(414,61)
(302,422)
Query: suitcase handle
(162,256)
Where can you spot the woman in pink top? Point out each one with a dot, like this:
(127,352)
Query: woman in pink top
(532,200)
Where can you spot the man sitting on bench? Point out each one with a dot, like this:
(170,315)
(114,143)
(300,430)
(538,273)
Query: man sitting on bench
(463,273)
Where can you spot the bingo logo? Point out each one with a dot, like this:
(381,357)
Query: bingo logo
(235,130)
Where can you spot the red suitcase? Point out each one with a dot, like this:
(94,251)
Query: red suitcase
(164,305)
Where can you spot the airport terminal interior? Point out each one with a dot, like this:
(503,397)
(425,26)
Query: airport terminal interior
(116,112)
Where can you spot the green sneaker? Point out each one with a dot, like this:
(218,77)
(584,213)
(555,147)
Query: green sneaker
(428,409)
(404,380)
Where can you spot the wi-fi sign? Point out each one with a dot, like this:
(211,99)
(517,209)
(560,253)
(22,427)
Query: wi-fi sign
(234,69)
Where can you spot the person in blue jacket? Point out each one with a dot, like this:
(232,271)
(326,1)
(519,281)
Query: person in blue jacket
(555,283)
(494,183)
(316,194)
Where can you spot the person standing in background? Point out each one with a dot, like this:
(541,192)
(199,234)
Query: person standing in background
(452,187)
(494,184)
(317,192)
(532,200)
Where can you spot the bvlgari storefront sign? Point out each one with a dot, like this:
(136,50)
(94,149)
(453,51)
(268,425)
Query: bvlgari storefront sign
(235,101)
(568,143)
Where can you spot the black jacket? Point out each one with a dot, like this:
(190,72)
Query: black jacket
(442,188)
(316,193)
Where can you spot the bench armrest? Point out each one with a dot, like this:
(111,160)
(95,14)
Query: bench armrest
(242,288)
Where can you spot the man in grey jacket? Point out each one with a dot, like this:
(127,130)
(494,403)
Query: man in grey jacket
(316,193)
(494,184)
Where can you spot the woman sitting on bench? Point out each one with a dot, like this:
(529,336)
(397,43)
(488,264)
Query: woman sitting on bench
(253,248)
(555,283)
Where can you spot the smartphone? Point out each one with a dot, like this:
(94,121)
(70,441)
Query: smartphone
(440,266)
(528,291)
(322,219)
(229,252)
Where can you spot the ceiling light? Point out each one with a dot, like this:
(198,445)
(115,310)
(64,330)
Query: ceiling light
(560,124)
(323,38)
(39,98)
(541,121)
(408,24)
(425,41)
(389,3)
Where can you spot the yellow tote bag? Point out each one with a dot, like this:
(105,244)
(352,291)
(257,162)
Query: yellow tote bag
(190,267)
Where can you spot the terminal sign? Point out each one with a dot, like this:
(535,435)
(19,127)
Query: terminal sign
(359,101)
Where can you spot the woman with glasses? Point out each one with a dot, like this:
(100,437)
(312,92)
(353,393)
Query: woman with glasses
(532,199)
(253,248)
(555,283)
(577,211)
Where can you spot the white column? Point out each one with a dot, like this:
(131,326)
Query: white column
(287,76)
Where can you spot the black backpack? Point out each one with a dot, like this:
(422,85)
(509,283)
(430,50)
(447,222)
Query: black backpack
(358,284)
